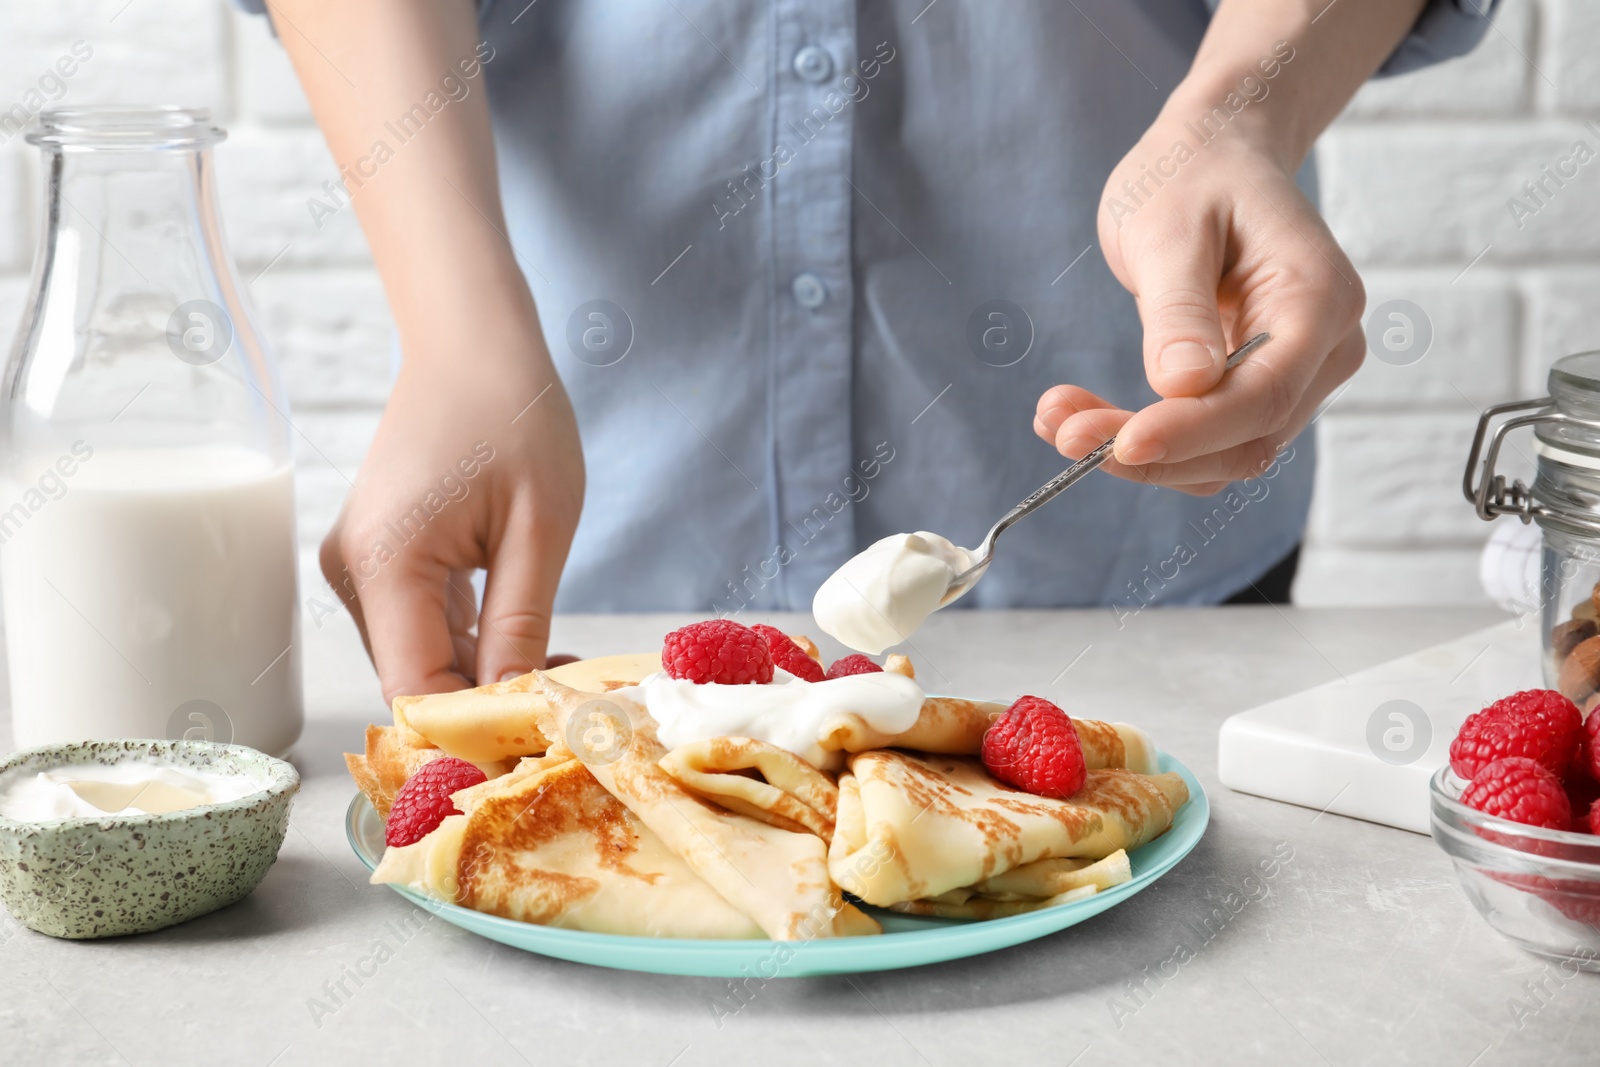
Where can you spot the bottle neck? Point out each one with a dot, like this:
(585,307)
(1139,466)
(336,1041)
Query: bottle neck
(142,224)
(138,331)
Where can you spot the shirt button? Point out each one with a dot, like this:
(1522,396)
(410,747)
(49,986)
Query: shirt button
(813,63)
(809,292)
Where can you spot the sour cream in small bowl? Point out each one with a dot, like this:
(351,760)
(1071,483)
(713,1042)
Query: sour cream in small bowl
(102,838)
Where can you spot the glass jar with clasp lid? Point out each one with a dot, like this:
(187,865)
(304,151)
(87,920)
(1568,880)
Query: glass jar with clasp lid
(1565,501)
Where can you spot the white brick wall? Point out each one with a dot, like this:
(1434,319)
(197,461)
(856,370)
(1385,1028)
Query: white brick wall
(1415,177)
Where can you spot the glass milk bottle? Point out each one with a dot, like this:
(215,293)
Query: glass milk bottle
(147,543)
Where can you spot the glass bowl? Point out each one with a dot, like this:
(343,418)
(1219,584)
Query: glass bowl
(1539,888)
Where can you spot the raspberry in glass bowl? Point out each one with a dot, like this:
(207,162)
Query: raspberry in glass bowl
(1538,887)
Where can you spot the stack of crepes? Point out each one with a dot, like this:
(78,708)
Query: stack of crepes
(733,837)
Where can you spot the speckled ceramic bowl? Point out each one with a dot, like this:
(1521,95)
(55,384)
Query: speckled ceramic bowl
(128,874)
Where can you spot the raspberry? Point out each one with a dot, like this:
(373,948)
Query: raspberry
(1590,824)
(788,655)
(1034,747)
(1577,900)
(717,650)
(1587,759)
(855,663)
(1582,792)
(1539,724)
(424,800)
(1521,790)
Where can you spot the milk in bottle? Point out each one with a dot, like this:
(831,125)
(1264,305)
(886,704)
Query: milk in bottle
(147,544)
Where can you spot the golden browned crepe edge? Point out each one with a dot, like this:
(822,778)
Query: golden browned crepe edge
(393,754)
(513,707)
(781,789)
(495,820)
(1051,877)
(954,726)
(945,725)
(466,800)
(510,854)
(690,826)
(979,908)
(895,849)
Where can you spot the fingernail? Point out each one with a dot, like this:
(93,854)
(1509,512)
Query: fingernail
(1141,452)
(510,673)
(1078,447)
(1185,356)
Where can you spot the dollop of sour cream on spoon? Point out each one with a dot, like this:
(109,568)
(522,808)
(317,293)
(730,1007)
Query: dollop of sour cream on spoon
(880,597)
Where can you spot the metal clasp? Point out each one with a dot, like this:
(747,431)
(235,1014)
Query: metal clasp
(1490,496)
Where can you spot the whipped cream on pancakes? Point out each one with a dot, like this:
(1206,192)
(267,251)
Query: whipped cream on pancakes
(787,712)
(880,596)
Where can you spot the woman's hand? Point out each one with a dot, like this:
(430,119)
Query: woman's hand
(1226,248)
(466,471)
(1204,225)
(476,463)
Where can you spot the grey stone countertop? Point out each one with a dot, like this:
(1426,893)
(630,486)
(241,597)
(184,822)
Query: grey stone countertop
(1362,949)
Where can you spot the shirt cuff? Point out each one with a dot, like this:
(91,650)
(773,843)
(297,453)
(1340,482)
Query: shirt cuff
(259,7)
(1445,29)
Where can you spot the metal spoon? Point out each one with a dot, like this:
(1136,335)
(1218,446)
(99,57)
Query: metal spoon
(983,555)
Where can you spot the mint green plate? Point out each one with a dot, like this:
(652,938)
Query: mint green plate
(907,941)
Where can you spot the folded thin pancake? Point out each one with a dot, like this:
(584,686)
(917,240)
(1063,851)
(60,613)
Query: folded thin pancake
(953,726)
(1036,885)
(979,907)
(493,722)
(1116,744)
(1047,878)
(945,724)
(776,877)
(549,845)
(1036,881)
(467,800)
(393,754)
(911,827)
(789,793)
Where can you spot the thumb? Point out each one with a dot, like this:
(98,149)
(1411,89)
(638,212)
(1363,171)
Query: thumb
(1184,347)
(1184,351)
(514,625)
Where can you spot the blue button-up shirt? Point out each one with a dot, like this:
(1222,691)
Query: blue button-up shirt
(806,266)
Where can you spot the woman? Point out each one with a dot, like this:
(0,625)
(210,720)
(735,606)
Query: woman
(805,274)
